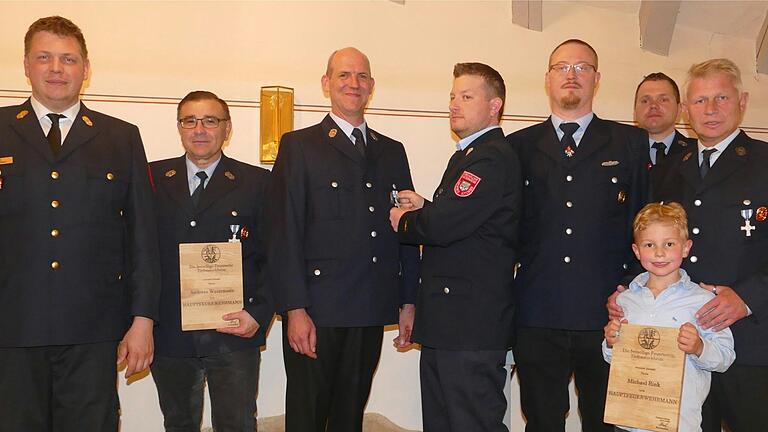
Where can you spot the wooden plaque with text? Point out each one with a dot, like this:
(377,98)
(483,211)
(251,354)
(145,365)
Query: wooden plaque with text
(211,276)
(646,379)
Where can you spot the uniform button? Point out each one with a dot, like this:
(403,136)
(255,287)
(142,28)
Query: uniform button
(568,204)
(567,259)
(316,272)
(374,259)
(250,299)
(121,212)
(54,204)
(614,180)
(697,203)
(54,232)
(695,230)
(569,178)
(54,175)
(446,290)
(625,266)
(419,280)
(694,259)
(334,184)
(373,233)
(368,185)
(568,231)
(747,202)
(55,265)
(193,223)
(110,176)
(527,182)
(370,209)
(119,276)
(234,212)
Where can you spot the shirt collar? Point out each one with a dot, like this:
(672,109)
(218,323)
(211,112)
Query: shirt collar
(667,140)
(722,145)
(42,111)
(583,122)
(466,141)
(640,281)
(193,169)
(347,127)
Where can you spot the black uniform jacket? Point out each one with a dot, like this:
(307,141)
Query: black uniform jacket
(576,228)
(80,244)
(722,254)
(680,144)
(234,196)
(470,237)
(332,249)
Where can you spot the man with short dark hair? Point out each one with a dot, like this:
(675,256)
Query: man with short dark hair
(585,178)
(204,197)
(79,280)
(337,270)
(465,307)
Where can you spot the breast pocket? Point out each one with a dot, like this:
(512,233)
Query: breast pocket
(11,189)
(108,188)
(331,199)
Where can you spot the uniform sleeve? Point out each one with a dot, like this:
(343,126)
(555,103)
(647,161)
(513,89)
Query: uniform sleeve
(141,231)
(754,292)
(639,192)
(262,308)
(468,200)
(286,219)
(410,257)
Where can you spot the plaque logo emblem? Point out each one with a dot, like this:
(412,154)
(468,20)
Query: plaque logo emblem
(648,338)
(210,254)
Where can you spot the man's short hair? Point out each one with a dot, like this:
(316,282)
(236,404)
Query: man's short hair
(494,83)
(670,213)
(199,95)
(329,69)
(59,26)
(574,41)
(718,65)
(660,76)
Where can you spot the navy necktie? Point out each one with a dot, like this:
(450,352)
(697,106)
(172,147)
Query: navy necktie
(569,144)
(199,189)
(661,149)
(359,141)
(54,135)
(705,163)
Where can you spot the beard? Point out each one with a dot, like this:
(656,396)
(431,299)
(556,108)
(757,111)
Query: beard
(570,101)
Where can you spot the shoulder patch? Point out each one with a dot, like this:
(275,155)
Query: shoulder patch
(466,184)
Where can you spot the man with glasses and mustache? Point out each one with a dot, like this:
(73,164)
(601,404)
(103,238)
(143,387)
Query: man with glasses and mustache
(204,197)
(584,180)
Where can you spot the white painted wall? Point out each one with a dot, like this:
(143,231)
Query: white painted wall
(165,49)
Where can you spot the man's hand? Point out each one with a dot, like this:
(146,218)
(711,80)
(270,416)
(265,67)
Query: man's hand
(614,310)
(247,328)
(612,331)
(405,326)
(689,341)
(394,216)
(137,347)
(723,310)
(410,200)
(301,333)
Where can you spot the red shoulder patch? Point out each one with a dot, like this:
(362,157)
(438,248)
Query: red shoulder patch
(466,184)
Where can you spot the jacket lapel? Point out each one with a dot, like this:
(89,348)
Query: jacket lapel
(84,128)
(339,140)
(595,137)
(689,168)
(549,143)
(28,127)
(732,159)
(176,185)
(223,181)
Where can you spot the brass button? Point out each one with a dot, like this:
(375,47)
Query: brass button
(55,265)
(54,175)
(234,212)
(368,185)
(54,204)
(54,232)
(568,204)
(110,176)
(334,184)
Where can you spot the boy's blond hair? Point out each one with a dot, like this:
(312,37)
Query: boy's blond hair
(661,212)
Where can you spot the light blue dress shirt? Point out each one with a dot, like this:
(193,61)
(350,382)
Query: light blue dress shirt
(582,121)
(675,306)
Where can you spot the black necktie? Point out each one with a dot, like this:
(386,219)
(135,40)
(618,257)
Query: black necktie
(705,164)
(359,141)
(661,149)
(199,189)
(54,135)
(569,144)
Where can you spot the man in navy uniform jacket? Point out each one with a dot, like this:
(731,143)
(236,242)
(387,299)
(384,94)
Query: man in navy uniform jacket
(79,274)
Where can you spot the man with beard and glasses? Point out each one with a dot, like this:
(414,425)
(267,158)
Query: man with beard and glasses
(584,179)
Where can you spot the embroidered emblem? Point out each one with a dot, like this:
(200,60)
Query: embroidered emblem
(761,214)
(469,150)
(229,175)
(569,151)
(170,173)
(244,233)
(682,143)
(332,133)
(21,114)
(687,156)
(466,184)
(374,136)
(741,151)
(622,197)
(87,120)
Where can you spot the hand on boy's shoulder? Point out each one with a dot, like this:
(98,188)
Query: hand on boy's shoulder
(614,310)
(723,310)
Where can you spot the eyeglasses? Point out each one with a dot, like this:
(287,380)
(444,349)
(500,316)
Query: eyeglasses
(578,68)
(208,122)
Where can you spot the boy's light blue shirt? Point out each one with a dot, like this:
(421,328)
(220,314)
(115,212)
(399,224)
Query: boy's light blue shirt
(675,306)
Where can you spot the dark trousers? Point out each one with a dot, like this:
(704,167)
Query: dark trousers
(330,393)
(739,398)
(233,381)
(463,390)
(59,388)
(546,359)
